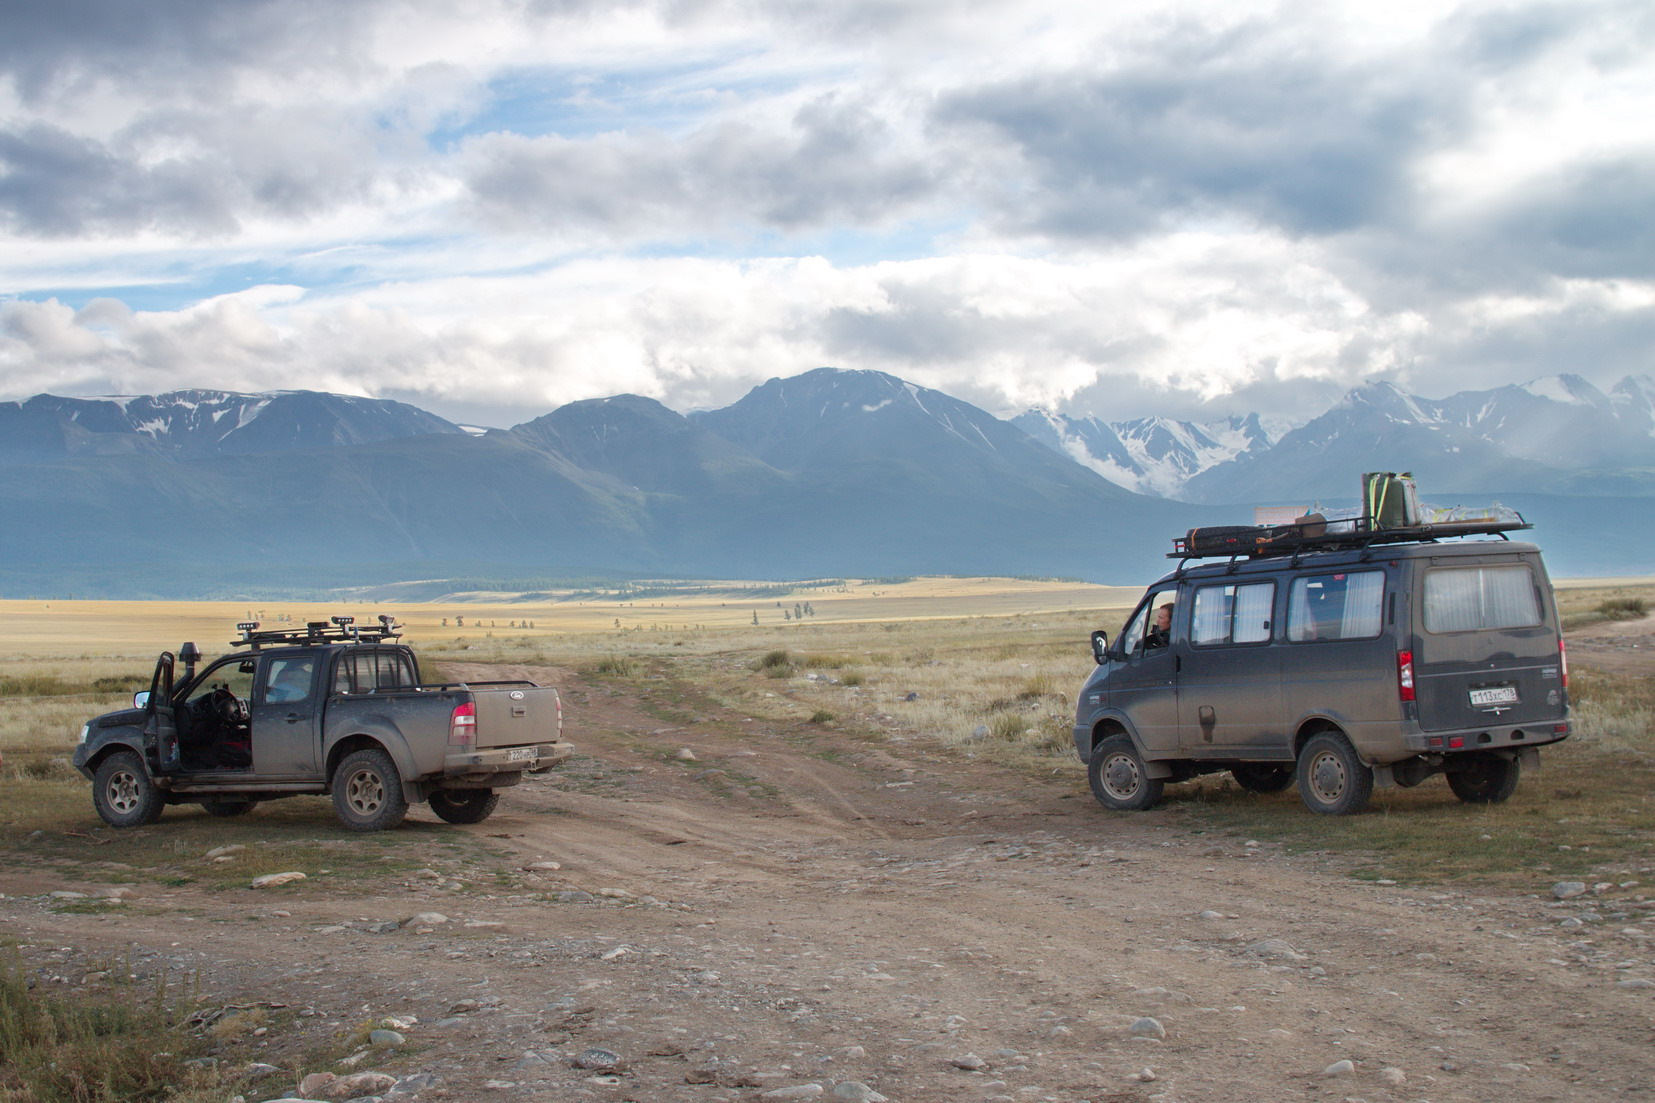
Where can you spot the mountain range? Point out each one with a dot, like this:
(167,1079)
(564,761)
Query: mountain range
(830,473)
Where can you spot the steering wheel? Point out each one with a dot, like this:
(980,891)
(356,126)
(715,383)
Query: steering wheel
(230,708)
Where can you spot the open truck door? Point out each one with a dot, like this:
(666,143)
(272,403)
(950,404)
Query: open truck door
(160,725)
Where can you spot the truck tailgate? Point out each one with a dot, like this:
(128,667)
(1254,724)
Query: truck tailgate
(510,716)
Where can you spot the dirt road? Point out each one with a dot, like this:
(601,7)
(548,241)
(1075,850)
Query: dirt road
(802,913)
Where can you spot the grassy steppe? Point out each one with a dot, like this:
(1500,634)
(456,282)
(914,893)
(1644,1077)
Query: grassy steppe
(988,665)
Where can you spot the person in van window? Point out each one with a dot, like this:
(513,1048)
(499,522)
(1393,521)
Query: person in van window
(1160,633)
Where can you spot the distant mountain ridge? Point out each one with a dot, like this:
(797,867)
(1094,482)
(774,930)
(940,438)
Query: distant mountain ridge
(828,473)
(1560,434)
(195,423)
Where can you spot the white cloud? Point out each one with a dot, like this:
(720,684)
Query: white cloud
(1125,209)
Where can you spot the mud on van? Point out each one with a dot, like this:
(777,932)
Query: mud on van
(1340,665)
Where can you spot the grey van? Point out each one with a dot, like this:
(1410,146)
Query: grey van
(1340,668)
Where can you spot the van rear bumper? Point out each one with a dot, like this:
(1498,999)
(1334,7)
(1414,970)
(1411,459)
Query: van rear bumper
(1492,738)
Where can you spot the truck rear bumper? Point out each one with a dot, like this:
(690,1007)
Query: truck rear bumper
(531,758)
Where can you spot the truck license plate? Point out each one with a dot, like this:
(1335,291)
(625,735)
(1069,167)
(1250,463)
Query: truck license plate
(1494,695)
(520,754)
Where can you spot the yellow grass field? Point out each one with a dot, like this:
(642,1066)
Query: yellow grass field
(139,629)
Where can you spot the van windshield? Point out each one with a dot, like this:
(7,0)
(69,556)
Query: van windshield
(1466,599)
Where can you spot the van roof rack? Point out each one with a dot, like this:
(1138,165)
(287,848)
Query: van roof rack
(1317,534)
(332,630)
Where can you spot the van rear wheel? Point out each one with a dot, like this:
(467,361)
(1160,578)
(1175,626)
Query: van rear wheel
(1486,779)
(1119,778)
(1332,779)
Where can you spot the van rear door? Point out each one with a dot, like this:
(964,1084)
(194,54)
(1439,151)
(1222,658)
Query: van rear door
(1486,644)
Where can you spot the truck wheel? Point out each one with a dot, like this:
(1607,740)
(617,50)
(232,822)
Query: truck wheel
(367,792)
(1119,778)
(1489,779)
(464,805)
(123,793)
(229,808)
(1262,777)
(1332,780)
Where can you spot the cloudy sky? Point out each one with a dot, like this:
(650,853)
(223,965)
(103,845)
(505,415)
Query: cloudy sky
(493,207)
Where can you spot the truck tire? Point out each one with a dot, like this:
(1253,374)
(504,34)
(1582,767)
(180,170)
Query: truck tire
(227,808)
(464,805)
(1490,779)
(367,791)
(1332,779)
(123,793)
(1262,777)
(1119,778)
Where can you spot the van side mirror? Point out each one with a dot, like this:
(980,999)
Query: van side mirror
(1100,646)
(140,700)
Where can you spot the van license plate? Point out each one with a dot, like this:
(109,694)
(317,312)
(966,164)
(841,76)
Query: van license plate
(521,754)
(1494,695)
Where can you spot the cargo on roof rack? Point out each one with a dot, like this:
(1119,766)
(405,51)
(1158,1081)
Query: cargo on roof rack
(333,630)
(1316,533)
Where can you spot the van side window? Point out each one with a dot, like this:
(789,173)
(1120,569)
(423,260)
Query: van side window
(1344,606)
(1232,614)
(1465,599)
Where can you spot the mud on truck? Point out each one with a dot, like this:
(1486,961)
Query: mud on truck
(327,708)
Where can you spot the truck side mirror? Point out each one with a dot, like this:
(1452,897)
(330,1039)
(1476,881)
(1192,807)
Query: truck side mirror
(140,700)
(1100,646)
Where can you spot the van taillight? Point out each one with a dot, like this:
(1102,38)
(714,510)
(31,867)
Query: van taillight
(1405,675)
(1563,661)
(462,726)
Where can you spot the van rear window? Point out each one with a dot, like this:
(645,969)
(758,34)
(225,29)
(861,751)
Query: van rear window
(1343,606)
(1466,599)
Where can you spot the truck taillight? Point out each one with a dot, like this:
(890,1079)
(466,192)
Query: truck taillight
(1405,675)
(462,725)
(1563,661)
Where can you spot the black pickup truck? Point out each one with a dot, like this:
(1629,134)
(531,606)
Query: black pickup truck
(324,708)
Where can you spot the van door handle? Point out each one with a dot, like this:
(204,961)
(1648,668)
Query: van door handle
(294,718)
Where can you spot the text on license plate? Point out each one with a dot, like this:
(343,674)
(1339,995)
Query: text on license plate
(520,754)
(1494,695)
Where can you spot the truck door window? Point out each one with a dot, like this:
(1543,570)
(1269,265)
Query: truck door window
(1343,606)
(1232,614)
(1465,599)
(287,681)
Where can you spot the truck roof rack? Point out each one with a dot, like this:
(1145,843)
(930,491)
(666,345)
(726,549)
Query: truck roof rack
(332,630)
(1315,533)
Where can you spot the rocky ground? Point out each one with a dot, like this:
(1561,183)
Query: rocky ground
(795,914)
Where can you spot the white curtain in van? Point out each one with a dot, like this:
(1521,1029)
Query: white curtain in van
(1252,611)
(1363,597)
(1465,599)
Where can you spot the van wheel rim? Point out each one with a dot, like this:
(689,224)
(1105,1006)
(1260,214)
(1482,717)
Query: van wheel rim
(1328,777)
(365,793)
(1121,777)
(123,792)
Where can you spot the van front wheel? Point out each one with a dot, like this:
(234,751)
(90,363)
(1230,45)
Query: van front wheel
(1486,779)
(1119,778)
(1332,779)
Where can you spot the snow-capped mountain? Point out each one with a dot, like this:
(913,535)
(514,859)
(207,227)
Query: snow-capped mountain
(1152,455)
(1557,434)
(202,423)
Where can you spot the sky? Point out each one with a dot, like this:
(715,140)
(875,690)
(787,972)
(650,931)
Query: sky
(489,208)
